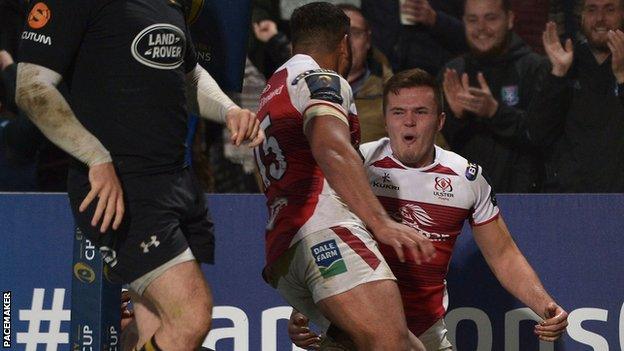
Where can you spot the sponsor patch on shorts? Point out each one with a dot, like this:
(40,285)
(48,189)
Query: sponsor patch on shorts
(328,258)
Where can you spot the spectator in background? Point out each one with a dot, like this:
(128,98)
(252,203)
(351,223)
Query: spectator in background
(579,117)
(276,46)
(268,55)
(257,50)
(233,169)
(369,70)
(531,17)
(430,34)
(488,92)
(567,16)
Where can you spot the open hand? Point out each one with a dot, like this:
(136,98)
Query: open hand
(479,101)
(404,239)
(560,58)
(105,186)
(419,11)
(265,30)
(453,87)
(615,41)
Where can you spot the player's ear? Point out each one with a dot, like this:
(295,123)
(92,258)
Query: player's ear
(345,46)
(344,56)
(441,120)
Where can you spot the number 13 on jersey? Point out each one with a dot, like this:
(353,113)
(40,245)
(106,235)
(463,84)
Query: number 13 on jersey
(269,156)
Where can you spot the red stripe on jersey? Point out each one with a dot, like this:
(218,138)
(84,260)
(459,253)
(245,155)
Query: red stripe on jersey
(387,162)
(423,307)
(435,217)
(441,170)
(358,246)
(422,286)
(294,190)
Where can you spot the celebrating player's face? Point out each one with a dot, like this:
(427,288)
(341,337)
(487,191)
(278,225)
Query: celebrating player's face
(487,26)
(598,17)
(412,121)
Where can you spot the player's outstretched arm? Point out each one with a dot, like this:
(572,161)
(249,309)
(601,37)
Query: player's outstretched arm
(329,140)
(210,102)
(518,277)
(37,95)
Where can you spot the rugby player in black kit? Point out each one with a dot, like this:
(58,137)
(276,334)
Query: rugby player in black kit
(128,65)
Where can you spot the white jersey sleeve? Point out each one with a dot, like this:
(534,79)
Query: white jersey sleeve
(367,150)
(322,92)
(485,208)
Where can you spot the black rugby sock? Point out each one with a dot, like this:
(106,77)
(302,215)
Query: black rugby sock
(151,345)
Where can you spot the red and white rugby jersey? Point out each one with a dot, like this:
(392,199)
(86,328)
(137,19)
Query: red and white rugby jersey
(299,199)
(436,200)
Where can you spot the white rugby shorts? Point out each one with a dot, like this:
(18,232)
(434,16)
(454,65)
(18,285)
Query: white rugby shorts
(327,263)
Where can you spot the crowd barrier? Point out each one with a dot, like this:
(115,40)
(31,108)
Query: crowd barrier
(574,242)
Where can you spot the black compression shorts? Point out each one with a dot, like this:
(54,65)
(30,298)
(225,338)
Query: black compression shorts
(165,214)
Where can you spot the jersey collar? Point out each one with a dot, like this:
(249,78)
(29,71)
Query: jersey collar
(436,158)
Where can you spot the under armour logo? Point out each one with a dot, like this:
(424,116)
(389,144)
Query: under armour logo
(146,246)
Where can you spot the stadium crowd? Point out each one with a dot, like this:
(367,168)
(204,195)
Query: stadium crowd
(549,122)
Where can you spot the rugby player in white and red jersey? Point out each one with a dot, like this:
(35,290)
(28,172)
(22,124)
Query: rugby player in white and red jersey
(435,191)
(320,256)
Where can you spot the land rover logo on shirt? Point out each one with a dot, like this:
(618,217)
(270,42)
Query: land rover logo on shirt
(160,46)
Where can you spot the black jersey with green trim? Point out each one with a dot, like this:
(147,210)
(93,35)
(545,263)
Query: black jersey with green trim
(125,64)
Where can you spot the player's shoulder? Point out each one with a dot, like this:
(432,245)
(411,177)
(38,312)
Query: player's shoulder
(304,68)
(467,170)
(298,67)
(374,150)
(306,80)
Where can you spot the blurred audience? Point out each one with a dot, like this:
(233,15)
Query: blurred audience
(535,126)
(28,161)
(489,91)
(258,52)
(270,47)
(369,70)
(567,15)
(530,18)
(578,119)
(276,46)
(417,33)
(233,169)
